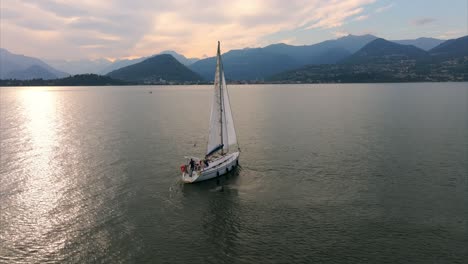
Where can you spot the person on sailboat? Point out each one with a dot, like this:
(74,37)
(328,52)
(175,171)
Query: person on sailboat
(192,166)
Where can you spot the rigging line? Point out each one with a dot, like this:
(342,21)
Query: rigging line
(220,95)
(223,110)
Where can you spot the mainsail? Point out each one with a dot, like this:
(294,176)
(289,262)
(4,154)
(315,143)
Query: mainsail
(221,132)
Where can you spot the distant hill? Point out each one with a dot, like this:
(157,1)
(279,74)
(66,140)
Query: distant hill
(14,66)
(259,63)
(156,69)
(384,51)
(80,66)
(32,72)
(181,58)
(76,80)
(452,48)
(127,62)
(422,43)
(120,64)
(310,54)
(246,64)
(320,53)
(104,66)
(351,43)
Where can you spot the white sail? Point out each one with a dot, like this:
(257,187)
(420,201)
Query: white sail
(214,136)
(221,131)
(229,124)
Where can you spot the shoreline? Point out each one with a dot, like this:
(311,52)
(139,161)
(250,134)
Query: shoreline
(235,83)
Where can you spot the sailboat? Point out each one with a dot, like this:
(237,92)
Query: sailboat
(222,154)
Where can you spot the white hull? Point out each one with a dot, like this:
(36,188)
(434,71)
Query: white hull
(217,167)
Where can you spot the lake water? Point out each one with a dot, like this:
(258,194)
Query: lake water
(338,173)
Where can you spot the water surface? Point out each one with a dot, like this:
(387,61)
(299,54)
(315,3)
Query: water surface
(357,173)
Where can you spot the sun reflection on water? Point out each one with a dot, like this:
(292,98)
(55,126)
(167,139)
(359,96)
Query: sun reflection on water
(42,185)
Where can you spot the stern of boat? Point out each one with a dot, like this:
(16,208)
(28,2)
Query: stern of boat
(187,178)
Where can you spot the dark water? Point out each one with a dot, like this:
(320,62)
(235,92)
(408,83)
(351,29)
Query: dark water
(329,174)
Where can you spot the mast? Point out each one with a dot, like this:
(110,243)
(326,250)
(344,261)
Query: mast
(220,96)
(222,133)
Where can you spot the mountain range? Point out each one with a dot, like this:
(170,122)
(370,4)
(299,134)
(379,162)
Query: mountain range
(20,67)
(242,64)
(452,48)
(386,61)
(260,63)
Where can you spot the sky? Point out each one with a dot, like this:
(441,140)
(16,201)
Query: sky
(116,29)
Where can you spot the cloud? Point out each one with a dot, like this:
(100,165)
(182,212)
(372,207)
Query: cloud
(423,21)
(340,34)
(58,8)
(6,13)
(367,32)
(451,34)
(35,25)
(121,28)
(288,41)
(384,8)
(334,19)
(332,14)
(360,18)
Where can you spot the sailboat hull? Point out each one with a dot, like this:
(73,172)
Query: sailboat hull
(216,168)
